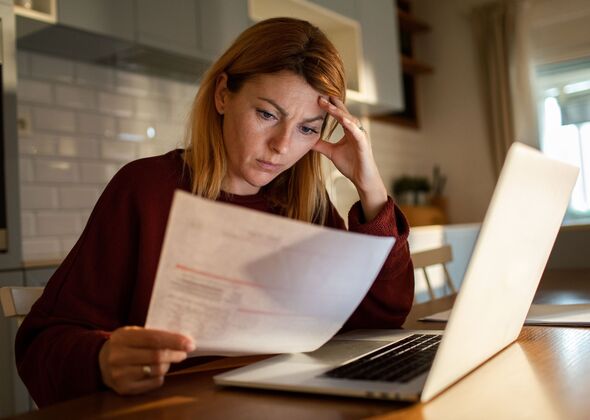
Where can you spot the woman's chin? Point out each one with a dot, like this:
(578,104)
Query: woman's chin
(261,178)
(248,185)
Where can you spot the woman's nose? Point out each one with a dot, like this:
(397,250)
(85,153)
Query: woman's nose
(280,142)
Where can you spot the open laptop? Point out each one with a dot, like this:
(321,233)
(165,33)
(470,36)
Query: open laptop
(512,249)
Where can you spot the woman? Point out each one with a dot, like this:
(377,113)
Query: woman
(254,140)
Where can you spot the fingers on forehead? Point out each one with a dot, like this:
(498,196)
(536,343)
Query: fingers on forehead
(336,101)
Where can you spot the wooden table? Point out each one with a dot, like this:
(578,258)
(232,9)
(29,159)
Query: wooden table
(545,375)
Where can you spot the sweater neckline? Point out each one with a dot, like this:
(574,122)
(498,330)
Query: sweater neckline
(242,199)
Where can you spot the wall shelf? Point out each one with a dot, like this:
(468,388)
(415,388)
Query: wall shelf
(409,23)
(41,10)
(412,66)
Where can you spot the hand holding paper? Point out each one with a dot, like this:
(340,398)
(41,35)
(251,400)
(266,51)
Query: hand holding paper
(240,281)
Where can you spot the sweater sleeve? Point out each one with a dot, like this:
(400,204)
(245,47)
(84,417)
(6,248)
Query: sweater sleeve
(58,343)
(389,300)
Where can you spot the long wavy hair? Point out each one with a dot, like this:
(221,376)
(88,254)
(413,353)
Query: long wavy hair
(267,47)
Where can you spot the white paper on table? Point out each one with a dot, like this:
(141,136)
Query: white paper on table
(240,281)
(575,315)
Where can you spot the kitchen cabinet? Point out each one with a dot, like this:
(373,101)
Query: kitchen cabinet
(221,21)
(382,74)
(114,18)
(172,26)
(346,8)
(194,28)
(200,28)
(168,25)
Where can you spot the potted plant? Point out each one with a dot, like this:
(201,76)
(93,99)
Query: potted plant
(410,190)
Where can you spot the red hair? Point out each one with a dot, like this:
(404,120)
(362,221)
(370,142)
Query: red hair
(269,46)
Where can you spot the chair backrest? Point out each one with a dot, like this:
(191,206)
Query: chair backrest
(441,255)
(17,301)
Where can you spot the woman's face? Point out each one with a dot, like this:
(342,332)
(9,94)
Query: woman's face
(268,125)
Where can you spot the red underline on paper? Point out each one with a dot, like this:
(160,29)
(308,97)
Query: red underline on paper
(218,277)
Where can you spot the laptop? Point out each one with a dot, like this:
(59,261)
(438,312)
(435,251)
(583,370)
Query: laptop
(516,238)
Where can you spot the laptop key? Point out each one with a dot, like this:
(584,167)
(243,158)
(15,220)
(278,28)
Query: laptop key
(398,362)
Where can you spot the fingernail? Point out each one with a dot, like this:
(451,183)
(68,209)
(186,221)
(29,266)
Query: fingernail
(322,99)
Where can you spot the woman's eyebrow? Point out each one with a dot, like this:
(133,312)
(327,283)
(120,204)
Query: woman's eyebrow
(318,118)
(284,112)
(281,110)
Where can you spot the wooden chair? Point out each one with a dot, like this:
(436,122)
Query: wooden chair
(434,256)
(17,301)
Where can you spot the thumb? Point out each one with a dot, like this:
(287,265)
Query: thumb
(324,147)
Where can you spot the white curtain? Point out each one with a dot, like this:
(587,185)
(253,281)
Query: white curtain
(502,35)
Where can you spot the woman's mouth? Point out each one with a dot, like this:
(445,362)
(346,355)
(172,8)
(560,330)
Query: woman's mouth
(268,166)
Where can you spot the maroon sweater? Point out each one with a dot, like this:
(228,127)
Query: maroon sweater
(106,280)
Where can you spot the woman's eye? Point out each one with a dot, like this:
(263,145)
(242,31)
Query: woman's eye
(308,130)
(264,114)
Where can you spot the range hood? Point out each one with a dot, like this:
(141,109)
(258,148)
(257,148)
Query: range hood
(72,43)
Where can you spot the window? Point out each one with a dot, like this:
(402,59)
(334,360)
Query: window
(564,111)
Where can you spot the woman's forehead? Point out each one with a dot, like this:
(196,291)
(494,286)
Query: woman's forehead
(279,80)
(286,91)
(282,86)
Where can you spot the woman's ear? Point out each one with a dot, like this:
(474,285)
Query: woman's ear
(221,93)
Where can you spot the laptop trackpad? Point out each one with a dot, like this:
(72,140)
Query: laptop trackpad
(336,352)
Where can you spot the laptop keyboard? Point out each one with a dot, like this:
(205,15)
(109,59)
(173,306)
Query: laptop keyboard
(397,362)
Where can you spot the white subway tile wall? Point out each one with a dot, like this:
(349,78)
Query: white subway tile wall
(24,65)
(77,197)
(72,147)
(97,172)
(115,104)
(78,125)
(90,75)
(37,197)
(44,67)
(61,222)
(27,219)
(51,119)
(99,125)
(74,97)
(133,84)
(35,91)
(41,248)
(26,172)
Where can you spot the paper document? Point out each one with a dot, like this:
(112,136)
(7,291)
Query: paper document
(577,315)
(240,281)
